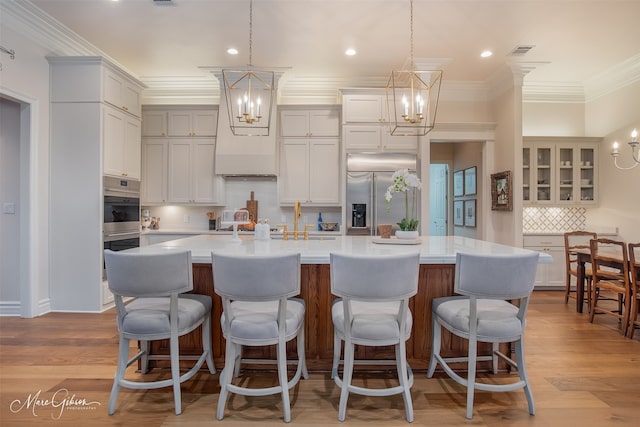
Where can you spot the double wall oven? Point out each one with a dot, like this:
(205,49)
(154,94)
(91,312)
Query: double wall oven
(121,228)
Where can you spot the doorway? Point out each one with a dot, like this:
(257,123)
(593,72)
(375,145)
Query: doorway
(438,199)
(10,198)
(20,270)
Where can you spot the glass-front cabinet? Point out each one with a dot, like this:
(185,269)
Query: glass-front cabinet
(560,171)
(538,173)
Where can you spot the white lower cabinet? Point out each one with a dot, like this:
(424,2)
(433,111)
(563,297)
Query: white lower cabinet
(309,171)
(549,275)
(152,239)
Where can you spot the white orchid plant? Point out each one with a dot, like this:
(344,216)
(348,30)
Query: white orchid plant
(405,182)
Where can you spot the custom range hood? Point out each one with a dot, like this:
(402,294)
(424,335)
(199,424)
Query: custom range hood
(245,155)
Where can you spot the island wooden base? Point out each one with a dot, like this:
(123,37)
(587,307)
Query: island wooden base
(434,281)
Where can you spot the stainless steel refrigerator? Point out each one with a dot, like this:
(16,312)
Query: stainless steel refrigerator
(368,177)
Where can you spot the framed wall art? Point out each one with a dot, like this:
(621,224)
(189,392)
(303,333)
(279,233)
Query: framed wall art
(458,213)
(470,213)
(501,192)
(470,181)
(458,183)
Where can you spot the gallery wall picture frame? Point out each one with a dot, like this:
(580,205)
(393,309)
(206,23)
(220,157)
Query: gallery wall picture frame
(458,213)
(501,191)
(458,183)
(470,181)
(470,213)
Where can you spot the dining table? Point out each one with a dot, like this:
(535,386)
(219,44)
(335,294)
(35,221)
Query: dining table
(583,256)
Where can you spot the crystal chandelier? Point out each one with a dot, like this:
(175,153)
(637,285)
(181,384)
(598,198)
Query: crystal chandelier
(412,98)
(249,94)
(634,155)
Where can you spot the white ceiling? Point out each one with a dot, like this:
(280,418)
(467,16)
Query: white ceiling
(576,41)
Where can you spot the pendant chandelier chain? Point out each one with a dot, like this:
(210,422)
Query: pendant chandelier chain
(413,65)
(250,32)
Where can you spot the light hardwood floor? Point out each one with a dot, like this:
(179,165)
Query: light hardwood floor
(582,374)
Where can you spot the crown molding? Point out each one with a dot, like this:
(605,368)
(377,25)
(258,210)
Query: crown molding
(614,78)
(32,22)
(185,89)
(553,92)
(44,30)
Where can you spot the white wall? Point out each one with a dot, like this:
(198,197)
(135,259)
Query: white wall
(27,78)
(9,193)
(619,189)
(614,116)
(613,112)
(553,119)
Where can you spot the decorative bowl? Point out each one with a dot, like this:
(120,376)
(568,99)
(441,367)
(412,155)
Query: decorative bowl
(329,226)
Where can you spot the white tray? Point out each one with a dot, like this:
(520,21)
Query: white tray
(395,241)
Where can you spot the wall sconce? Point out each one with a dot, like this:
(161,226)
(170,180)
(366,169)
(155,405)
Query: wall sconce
(634,155)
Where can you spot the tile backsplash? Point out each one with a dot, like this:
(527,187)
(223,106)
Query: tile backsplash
(548,219)
(238,191)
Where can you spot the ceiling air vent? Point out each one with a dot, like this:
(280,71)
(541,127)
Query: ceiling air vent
(521,50)
(163,2)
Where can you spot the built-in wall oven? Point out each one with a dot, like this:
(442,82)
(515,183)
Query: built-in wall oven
(121,228)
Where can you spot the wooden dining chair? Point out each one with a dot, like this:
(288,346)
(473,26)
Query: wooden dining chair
(634,268)
(610,272)
(576,240)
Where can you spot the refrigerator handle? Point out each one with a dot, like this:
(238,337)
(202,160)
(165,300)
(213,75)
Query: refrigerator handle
(374,212)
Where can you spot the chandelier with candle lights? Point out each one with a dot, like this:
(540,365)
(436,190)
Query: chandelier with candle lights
(412,97)
(249,94)
(615,153)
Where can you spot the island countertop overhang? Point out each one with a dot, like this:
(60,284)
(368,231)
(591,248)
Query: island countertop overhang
(433,249)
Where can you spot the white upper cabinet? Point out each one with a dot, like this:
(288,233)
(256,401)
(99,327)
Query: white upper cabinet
(192,123)
(560,171)
(310,123)
(121,135)
(376,138)
(154,123)
(191,174)
(310,155)
(366,125)
(121,92)
(179,156)
(364,108)
(94,79)
(309,171)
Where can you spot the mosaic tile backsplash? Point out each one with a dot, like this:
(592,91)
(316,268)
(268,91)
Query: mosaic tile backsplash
(540,220)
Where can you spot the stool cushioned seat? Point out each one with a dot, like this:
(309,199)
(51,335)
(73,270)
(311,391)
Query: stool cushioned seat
(371,320)
(259,320)
(149,317)
(496,318)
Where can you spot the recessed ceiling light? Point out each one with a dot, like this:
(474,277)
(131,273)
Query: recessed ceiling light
(350,52)
(486,54)
(232,51)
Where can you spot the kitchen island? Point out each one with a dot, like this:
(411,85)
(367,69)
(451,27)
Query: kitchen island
(437,269)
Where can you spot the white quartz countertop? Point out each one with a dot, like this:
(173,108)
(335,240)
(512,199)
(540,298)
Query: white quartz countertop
(433,250)
(189,231)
